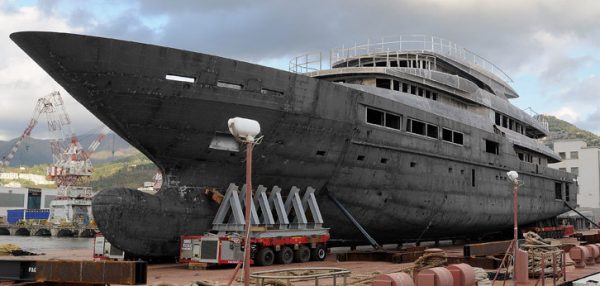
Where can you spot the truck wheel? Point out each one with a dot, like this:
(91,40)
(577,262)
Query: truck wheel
(318,253)
(302,254)
(285,255)
(264,257)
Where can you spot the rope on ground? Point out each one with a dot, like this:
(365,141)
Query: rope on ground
(428,260)
(537,247)
(481,277)
(8,249)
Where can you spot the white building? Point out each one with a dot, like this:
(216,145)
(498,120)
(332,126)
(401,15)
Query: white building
(583,161)
(36,179)
(25,198)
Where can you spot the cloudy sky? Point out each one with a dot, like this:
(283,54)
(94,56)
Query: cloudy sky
(551,49)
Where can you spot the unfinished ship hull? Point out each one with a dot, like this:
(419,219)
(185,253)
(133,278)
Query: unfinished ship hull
(399,187)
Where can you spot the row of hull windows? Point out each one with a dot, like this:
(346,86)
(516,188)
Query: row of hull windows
(508,122)
(390,120)
(419,64)
(526,157)
(406,88)
(574,155)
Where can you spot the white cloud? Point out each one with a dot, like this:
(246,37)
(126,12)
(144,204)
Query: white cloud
(22,81)
(567,113)
(533,39)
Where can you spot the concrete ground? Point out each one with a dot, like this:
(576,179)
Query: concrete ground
(179,274)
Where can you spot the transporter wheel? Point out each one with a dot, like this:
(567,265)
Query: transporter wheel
(264,257)
(285,255)
(318,253)
(302,254)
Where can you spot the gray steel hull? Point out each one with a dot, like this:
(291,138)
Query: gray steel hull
(424,188)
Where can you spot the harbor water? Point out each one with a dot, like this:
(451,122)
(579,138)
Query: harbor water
(40,244)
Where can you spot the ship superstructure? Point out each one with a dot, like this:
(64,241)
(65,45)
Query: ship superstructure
(413,136)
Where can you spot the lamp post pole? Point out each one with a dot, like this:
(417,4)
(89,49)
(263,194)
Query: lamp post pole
(516,230)
(249,147)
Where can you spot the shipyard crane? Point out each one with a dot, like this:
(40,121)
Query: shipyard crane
(43,105)
(72,165)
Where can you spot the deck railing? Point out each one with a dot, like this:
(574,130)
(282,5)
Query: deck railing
(401,44)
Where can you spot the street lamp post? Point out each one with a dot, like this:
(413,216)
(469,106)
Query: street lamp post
(245,131)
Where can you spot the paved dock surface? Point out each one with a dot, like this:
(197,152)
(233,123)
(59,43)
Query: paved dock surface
(178,274)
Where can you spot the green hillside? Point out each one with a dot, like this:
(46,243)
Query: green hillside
(130,172)
(561,130)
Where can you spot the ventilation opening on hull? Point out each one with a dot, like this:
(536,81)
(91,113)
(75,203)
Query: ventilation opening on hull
(384,160)
(267,91)
(180,78)
(360,158)
(321,153)
(229,85)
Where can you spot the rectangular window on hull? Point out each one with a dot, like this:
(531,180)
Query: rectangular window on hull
(432,131)
(458,137)
(446,134)
(375,116)
(567,198)
(558,191)
(422,128)
(416,127)
(452,136)
(383,83)
(491,147)
(473,177)
(382,118)
(392,121)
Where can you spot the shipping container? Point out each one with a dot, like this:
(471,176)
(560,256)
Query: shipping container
(13,216)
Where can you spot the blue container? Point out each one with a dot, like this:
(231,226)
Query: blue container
(13,216)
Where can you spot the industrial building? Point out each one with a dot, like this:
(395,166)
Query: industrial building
(583,161)
(25,198)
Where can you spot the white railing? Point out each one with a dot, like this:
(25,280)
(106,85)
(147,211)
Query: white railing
(306,63)
(538,117)
(408,43)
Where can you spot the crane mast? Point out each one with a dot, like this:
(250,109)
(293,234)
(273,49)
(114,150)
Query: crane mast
(71,167)
(43,105)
